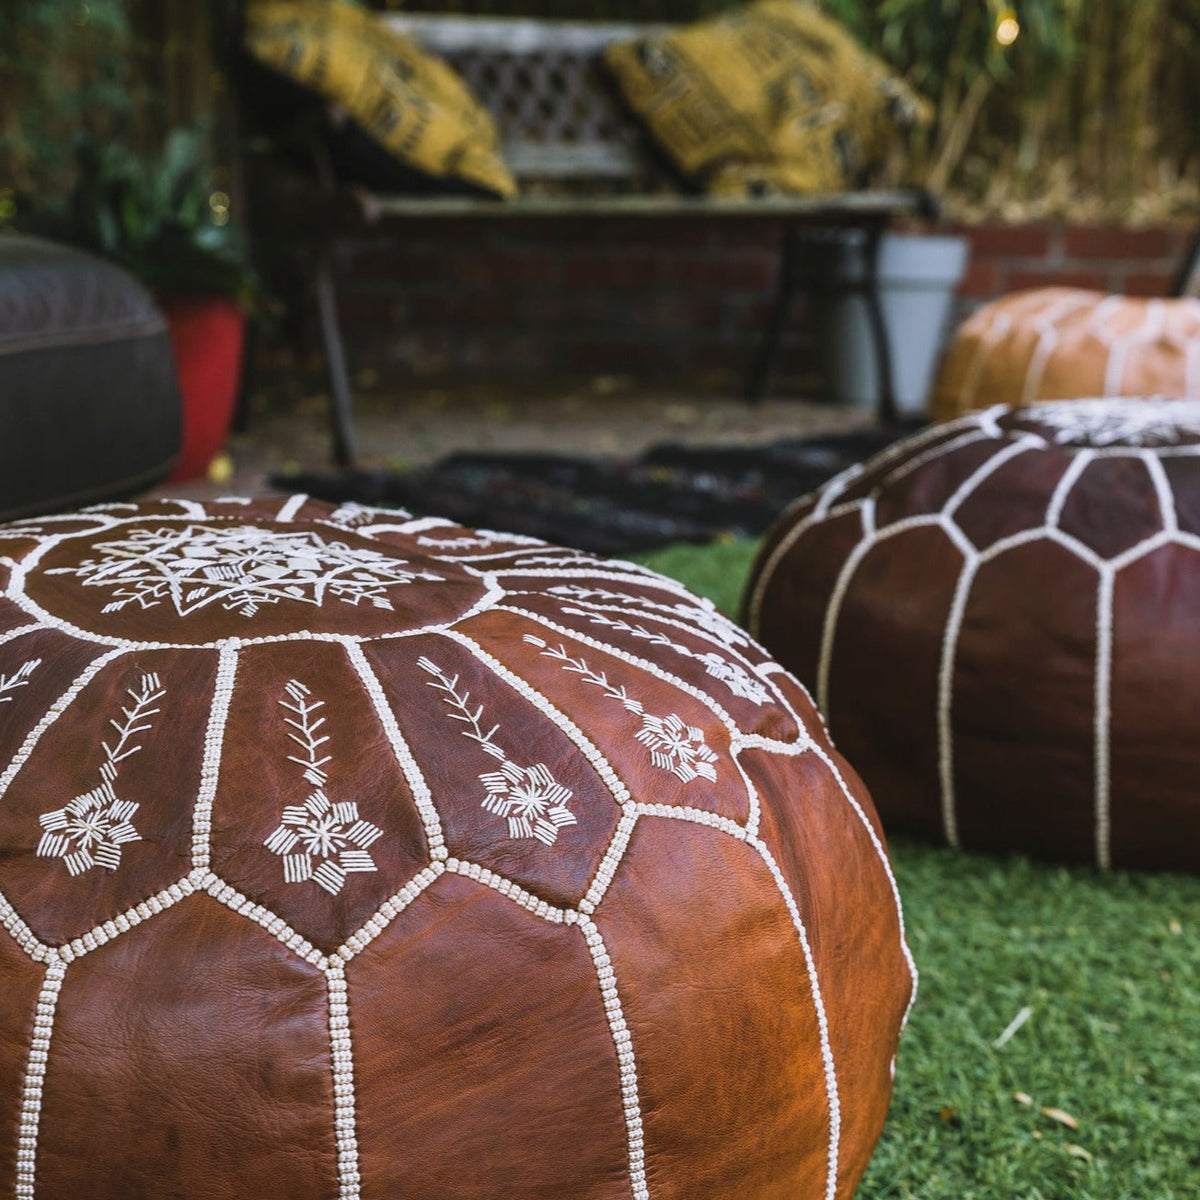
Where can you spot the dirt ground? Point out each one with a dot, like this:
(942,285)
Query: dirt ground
(609,416)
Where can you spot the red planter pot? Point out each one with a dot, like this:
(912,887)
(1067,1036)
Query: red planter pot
(207,336)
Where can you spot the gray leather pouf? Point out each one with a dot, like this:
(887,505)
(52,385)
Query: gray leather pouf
(89,403)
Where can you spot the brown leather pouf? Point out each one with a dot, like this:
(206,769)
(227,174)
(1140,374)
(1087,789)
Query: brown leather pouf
(1054,343)
(1001,617)
(344,854)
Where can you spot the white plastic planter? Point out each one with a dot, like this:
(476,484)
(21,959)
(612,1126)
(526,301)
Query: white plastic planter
(917,278)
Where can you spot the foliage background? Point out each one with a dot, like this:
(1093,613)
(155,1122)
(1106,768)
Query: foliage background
(1089,114)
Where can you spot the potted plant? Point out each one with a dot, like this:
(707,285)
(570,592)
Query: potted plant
(162,220)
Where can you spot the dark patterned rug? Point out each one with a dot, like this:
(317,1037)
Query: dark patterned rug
(671,493)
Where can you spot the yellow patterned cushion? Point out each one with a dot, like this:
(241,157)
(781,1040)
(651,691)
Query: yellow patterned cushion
(410,103)
(776,97)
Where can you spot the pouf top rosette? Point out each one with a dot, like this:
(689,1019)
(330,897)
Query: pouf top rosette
(348,854)
(1001,618)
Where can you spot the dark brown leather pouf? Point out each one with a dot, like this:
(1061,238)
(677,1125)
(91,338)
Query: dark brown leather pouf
(344,854)
(1001,618)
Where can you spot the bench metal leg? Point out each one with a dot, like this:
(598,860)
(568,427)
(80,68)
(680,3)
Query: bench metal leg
(341,401)
(764,366)
(886,409)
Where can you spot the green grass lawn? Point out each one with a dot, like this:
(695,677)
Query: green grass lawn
(1109,966)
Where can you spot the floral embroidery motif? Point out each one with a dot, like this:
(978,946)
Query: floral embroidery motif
(92,828)
(673,745)
(705,614)
(677,747)
(321,840)
(19,678)
(351,514)
(734,676)
(240,567)
(530,799)
(481,539)
(1111,421)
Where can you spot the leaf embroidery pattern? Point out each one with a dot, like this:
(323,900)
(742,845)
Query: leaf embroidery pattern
(734,676)
(705,615)
(530,799)
(672,744)
(90,830)
(19,678)
(322,839)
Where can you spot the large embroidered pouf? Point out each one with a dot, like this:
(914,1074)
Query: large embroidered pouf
(1056,343)
(344,854)
(1001,618)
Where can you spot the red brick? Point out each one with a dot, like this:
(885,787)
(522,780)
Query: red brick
(613,270)
(1119,241)
(683,312)
(459,307)
(981,281)
(506,269)
(724,272)
(1009,241)
(617,355)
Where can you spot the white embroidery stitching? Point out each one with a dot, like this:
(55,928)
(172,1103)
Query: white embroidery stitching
(19,678)
(704,615)
(530,799)
(240,567)
(320,831)
(672,744)
(92,828)
(735,677)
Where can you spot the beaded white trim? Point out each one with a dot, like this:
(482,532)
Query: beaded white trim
(626,1059)
(512,891)
(606,871)
(210,766)
(341,1057)
(35,1075)
(226,894)
(10,635)
(413,774)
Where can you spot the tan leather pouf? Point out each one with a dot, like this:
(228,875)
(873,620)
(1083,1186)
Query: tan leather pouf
(344,854)
(1001,619)
(1057,343)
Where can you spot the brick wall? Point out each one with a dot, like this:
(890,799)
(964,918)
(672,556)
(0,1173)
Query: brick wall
(679,303)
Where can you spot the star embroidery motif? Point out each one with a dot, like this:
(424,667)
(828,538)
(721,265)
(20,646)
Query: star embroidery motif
(323,841)
(532,801)
(240,567)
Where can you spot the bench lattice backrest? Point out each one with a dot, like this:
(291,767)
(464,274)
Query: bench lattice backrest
(542,82)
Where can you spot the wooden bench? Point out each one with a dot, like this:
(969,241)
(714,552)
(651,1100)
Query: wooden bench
(578,154)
